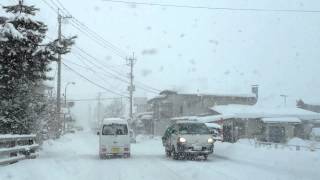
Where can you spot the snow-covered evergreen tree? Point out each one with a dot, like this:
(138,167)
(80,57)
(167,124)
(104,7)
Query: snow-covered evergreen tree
(24,63)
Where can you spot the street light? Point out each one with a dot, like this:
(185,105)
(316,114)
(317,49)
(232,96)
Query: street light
(65,92)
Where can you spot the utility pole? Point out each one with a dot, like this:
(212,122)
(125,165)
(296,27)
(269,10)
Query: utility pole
(99,109)
(60,18)
(131,88)
(284,99)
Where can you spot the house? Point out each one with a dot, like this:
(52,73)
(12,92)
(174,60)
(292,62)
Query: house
(143,123)
(170,104)
(274,124)
(140,104)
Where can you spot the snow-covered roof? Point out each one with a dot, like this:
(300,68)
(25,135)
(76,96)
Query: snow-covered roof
(184,118)
(13,136)
(213,125)
(114,120)
(146,116)
(246,111)
(187,121)
(281,120)
(157,97)
(213,118)
(227,95)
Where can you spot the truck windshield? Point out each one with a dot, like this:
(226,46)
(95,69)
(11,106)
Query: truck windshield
(115,129)
(193,128)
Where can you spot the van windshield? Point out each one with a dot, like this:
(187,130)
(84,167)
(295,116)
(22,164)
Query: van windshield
(115,129)
(193,128)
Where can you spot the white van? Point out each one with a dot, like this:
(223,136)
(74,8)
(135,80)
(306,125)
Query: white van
(114,139)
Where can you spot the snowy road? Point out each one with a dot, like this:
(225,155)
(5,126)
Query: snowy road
(76,157)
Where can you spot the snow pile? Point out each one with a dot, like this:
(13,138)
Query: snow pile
(298,142)
(75,157)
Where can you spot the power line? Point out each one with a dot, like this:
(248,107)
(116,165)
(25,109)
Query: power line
(106,73)
(94,58)
(81,58)
(111,75)
(76,24)
(88,68)
(93,32)
(93,71)
(82,76)
(215,8)
(96,99)
(89,32)
(50,6)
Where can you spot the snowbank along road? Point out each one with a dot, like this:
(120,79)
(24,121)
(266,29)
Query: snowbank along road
(75,157)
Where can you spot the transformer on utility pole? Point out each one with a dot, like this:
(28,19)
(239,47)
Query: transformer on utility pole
(131,87)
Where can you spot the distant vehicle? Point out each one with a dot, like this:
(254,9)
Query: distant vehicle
(70,131)
(216,131)
(79,128)
(315,134)
(114,139)
(188,139)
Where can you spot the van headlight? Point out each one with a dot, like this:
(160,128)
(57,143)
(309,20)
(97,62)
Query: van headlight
(182,140)
(210,140)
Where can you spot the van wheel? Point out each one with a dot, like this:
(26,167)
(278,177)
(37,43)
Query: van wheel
(168,153)
(101,156)
(126,155)
(205,157)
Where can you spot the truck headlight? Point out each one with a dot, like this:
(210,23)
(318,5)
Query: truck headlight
(182,140)
(210,140)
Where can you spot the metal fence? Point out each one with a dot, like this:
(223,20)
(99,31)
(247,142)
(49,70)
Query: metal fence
(14,148)
(311,147)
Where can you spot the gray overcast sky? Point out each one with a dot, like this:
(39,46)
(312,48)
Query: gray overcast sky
(196,49)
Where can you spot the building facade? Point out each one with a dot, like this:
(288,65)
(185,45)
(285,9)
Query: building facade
(172,104)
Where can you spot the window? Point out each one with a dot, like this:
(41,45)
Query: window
(115,129)
(193,128)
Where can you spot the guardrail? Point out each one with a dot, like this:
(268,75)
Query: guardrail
(14,148)
(312,147)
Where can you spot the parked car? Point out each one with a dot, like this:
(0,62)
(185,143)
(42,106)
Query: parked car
(188,139)
(216,131)
(315,134)
(114,139)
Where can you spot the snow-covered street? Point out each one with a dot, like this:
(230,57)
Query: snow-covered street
(75,156)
